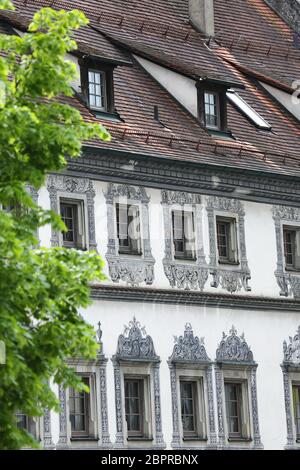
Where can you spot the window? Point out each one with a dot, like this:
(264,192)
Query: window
(246,109)
(26,423)
(183,235)
(97,86)
(212,108)
(233,395)
(72,214)
(291,246)
(97,92)
(227,240)
(212,113)
(79,408)
(128,229)
(134,407)
(296,403)
(192,410)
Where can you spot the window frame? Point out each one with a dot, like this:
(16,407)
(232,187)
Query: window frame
(87,405)
(104,97)
(130,250)
(145,403)
(199,407)
(295,267)
(184,254)
(107,70)
(296,417)
(244,412)
(80,223)
(220,92)
(232,244)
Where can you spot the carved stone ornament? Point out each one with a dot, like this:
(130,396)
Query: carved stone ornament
(289,283)
(189,348)
(234,278)
(188,275)
(73,187)
(132,270)
(134,343)
(233,348)
(292,350)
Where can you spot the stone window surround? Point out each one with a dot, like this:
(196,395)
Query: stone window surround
(234,361)
(73,188)
(231,278)
(188,275)
(134,270)
(98,402)
(136,356)
(289,282)
(189,359)
(291,375)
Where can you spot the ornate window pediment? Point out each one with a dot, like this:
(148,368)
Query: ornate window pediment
(189,348)
(189,275)
(289,282)
(132,270)
(233,348)
(134,343)
(232,278)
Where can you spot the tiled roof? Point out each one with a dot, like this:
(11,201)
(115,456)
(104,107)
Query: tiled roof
(252,43)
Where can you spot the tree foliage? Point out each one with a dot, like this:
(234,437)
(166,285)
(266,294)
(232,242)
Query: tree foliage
(41,290)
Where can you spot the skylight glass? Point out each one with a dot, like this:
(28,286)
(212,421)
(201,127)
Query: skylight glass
(244,107)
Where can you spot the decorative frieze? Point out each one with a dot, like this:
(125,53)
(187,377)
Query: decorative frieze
(72,187)
(291,350)
(132,270)
(189,348)
(233,278)
(134,343)
(188,275)
(289,283)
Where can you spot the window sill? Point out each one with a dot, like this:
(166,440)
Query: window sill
(83,438)
(229,263)
(183,258)
(130,253)
(195,438)
(220,134)
(105,115)
(239,439)
(292,270)
(140,439)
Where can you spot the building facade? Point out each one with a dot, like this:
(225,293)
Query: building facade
(195,207)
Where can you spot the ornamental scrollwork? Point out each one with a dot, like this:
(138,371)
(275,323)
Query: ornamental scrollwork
(233,278)
(134,343)
(188,275)
(132,270)
(291,350)
(189,348)
(233,348)
(69,186)
(179,197)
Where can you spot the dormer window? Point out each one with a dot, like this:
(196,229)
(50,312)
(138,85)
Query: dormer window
(97,92)
(97,86)
(212,108)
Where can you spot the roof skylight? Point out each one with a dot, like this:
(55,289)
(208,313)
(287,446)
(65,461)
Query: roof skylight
(246,109)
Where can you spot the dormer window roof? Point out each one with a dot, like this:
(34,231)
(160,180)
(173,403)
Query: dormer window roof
(247,110)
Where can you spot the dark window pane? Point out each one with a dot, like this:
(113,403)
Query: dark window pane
(233,395)
(289,238)
(187,398)
(96,89)
(183,234)
(133,406)
(79,409)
